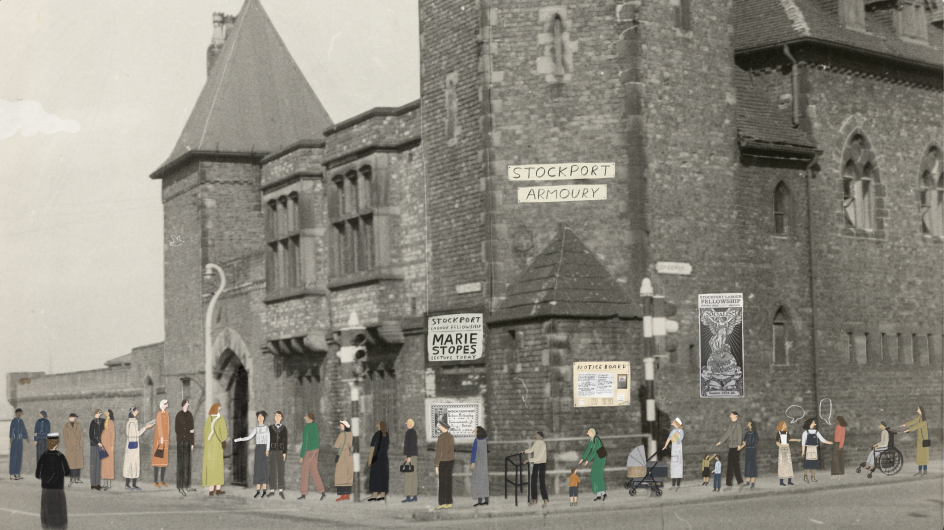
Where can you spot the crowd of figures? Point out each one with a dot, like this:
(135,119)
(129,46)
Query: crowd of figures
(60,455)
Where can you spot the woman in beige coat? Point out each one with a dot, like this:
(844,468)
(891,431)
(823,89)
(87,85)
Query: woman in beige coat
(132,465)
(344,456)
(108,442)
(923,453)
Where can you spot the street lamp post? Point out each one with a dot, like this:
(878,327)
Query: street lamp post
(646,292)
(353,355)
(207,327)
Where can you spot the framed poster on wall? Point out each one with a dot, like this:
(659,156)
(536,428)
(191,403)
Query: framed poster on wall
(721,345)
(601,384)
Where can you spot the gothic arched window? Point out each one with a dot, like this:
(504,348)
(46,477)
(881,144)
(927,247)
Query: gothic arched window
(781,199)
(858,173)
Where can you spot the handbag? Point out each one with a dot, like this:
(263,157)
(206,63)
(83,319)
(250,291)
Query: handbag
(132,445)
(926,442)
(406,468)
(601,452)
(102,453)
(159,452)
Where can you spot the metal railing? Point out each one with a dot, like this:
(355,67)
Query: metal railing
(518,474)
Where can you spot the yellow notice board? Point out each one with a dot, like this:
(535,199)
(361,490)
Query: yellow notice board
(601,384)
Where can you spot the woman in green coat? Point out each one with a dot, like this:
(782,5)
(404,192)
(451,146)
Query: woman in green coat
(920,425)
(214,442)
(599,463)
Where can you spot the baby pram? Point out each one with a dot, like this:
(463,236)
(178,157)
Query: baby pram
(644,473)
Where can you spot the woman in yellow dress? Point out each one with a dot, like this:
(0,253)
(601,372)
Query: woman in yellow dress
(214,443)
(920,426)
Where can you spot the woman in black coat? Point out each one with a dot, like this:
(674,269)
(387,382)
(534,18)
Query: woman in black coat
(378,464)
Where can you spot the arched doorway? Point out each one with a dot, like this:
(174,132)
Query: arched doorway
(234,385)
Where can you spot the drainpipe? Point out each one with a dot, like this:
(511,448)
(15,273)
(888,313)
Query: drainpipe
(795,82)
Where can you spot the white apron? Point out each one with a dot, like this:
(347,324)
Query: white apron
(675,467)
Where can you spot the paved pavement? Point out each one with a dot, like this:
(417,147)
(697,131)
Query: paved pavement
(899,502)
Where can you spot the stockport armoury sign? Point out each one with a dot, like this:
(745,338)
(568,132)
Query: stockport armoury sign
(455,337)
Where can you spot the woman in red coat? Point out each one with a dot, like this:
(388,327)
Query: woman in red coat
(837,465)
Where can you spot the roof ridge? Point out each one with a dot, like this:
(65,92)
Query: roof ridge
(795,14)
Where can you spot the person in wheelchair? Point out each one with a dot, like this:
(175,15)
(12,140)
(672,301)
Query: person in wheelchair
(878,448)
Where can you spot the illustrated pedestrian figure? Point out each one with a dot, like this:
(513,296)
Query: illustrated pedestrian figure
(784,460)
(733,433)
(343,462)
(749,445)
(595,453)
(131,469)
(96,427)
(309,457)
(675,438)
(183,428)
(879,448)
(72,439)
(479,465)
(161,445)
(706,470)
(923,452)
(378,464)
(538,458)
(445,454)
(837,464)
(107,462)
(278,450)
(410,452)
(40,430)
(18,435)
(717,485)
(574,486)
(51,470)
(810,454)
(260,468)
(214,444)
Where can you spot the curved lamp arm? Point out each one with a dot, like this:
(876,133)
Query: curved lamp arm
(207,326)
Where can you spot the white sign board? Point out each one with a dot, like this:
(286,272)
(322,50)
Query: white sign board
(462,416)
(601,384)
(580,192)
(457,337)
(673,267)
(569,171)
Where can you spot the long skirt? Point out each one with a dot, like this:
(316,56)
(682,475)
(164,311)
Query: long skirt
(675,468)
(838,464)
(750,462)
(132,464)
(53,512)
(784,463)
(597,482)
(811,458)
(260,468)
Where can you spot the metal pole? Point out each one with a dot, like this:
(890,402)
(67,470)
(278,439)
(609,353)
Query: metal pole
(355,432)
(207,327)
(352,342)
(649,363)
(645,292)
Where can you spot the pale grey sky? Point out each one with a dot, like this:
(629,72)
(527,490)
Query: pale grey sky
(81,240)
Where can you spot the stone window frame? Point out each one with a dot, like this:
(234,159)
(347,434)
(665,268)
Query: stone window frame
(781,210)
(682,9)
(283,255)
(782,336)
(556,63)
(862,193)
(931,193)
(852,14)
(352,221)
(910,19)
(451,102)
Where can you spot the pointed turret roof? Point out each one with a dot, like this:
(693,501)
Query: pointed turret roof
(566,280)
(256,100)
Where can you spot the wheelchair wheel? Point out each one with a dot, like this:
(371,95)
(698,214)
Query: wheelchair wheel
(859,469)
(891,461)
(869,475)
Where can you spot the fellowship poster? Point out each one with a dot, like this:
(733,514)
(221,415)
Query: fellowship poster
(721,345)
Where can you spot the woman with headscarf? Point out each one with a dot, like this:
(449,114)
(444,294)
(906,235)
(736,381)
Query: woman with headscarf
(132,465)
(378,464)
(108,443)
(161,444)
(923,453)
(675,437)
(784,461)
(593,454)
(52,469)
(480,466)
(260,470)
(837,464)
(214,443)
(749,444)
(344,462)
(810,441)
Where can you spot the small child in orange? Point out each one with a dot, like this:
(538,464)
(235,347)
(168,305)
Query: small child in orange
(574,482)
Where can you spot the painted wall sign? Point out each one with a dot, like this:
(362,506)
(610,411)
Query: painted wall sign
(578,192)
(455,337)
(673,267)
(601,384)
(569,171)
(462,416)
(465,288)
(721,345)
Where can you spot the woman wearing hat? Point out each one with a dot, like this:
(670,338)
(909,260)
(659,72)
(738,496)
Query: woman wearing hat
(675,437)
(51,469)
(72,437)
(161,445)
(108,443)
(784,461)
(344,462)
(132,465)
(214,443)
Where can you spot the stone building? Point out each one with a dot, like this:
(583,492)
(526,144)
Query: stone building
(789,150)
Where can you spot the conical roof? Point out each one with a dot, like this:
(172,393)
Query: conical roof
(256,100)
(566,280)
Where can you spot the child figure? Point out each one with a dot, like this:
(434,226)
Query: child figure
(706,469)
(717,473)
(574,486)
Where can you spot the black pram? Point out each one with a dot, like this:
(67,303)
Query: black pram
(642,472)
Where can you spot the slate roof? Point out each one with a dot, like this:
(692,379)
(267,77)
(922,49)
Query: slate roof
(764,23)
(256,100)
(118,361)
(759,121)
(566,280)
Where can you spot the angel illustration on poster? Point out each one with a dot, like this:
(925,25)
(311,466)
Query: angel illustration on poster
(720,327)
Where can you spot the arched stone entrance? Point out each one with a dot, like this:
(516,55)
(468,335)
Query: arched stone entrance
(231,381)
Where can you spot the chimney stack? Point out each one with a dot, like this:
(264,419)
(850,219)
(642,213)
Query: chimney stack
(216,44)
(228,22)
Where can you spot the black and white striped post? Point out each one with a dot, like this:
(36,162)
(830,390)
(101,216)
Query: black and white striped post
(645,292)
(353,355)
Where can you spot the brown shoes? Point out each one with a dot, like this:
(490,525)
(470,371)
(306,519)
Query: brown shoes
(220,492)
(164,484)
(532,502)
(212,492)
